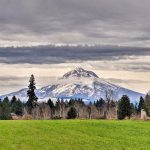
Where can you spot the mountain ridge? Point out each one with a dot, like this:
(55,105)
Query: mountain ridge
(78,83)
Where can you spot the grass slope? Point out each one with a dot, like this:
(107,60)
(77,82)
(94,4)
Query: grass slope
(74,135)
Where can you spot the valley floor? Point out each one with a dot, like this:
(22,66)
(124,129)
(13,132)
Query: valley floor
(74,135)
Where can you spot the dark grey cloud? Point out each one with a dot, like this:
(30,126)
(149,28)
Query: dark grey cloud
(64,54)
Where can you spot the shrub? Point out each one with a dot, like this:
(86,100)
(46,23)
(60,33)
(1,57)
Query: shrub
(72,113)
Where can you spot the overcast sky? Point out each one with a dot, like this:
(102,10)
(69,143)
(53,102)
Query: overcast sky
(121,27)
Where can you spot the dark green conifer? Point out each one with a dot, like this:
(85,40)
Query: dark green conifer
(72,113)
(32,98)
(124,107)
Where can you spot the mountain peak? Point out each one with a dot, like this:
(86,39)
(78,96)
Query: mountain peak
(80,72)
(78,83)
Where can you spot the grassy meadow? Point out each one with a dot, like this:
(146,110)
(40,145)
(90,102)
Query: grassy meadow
(74,135)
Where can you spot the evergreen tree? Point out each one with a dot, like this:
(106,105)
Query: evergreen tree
(141,104)
(124,107)
(90,103)
(52,107)
(14,99)
(58,105)
(32,98)
(81,101)
(99,103)
(147,104)
(50,103)
(5,109)
(17,107)
(72,113)
(71,102)
(134,108)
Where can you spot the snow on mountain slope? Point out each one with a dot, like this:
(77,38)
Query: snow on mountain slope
(79,72)
(78,83)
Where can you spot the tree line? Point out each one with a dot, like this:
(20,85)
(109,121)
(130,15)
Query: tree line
(70,109)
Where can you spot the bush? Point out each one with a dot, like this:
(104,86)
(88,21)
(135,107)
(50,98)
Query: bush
(72,113)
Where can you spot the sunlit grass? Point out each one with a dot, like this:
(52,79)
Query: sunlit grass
(74,135)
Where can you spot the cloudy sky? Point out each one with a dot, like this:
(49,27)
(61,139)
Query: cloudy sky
(120,28)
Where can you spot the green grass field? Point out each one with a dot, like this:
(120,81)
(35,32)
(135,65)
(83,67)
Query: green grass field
(74,135)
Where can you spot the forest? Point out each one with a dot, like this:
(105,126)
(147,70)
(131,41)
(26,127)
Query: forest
(107,108)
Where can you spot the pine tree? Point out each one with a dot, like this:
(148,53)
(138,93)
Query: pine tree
(100,103)
(50,103)
(52,107)
(32,98)
(71,102)
(72,113)
(14,99)
(58,105)
(147,104)
(17,107)
(134,108)
(141,104)
(5,109)
(124,107)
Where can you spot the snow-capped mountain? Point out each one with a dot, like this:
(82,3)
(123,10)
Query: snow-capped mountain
(79,83)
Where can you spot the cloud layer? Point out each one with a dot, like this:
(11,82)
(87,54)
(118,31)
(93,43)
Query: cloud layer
(121,26)
(115,22)
(120,58)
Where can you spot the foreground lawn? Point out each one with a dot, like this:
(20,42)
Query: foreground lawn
(74,135)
